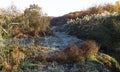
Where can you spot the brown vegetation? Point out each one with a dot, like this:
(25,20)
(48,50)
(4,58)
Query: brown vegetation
(90,48)
(12,56)
(81,53)
(92,10)
(31,23)
(73,53)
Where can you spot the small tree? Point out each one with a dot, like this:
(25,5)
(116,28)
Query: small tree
(35,20)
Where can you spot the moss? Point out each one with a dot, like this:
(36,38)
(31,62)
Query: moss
(114,62)
(108,62)
(105,60)
(94,58)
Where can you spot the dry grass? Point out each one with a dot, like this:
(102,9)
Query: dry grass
(90,47)
(73,53)
(24,25)
(12,56)
(95,10)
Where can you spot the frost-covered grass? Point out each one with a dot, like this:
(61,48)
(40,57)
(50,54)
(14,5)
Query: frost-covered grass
(16,58)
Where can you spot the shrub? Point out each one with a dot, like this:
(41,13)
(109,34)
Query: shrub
(88,51)
(90,48)
(112,25)
(60,57)
(75,53)
(44,57)
(31,23)
(12,57)
(103,28)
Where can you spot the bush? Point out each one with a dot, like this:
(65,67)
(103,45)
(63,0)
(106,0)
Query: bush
(12,57)
(112,25)
(90,48)
(103,28)
(75,53)
(31,23)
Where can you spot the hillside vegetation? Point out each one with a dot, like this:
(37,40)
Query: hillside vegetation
(91,40)
(31,23)
(100,23)
(92,10)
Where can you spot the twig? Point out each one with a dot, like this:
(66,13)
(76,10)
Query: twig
(4,30)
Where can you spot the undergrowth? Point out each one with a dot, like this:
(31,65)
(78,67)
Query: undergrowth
(16,58)
(82,53)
